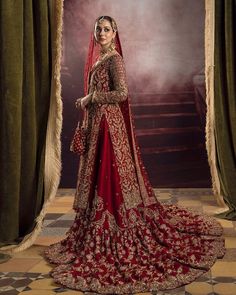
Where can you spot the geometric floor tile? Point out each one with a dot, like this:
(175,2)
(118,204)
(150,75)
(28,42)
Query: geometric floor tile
(28,273)
(225,288)
(224,269)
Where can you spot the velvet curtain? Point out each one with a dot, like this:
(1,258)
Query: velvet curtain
(27,80)
(225,102)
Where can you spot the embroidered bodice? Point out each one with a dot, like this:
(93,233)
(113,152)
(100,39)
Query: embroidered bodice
(108,81)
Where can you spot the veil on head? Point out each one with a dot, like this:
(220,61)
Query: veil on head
(94,50)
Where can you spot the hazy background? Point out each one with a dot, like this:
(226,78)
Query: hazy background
(163,48)
(162,40)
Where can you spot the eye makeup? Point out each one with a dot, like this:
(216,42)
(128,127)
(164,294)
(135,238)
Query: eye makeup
(99,29)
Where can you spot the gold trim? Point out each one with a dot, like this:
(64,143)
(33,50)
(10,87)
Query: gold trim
(209,79)
(99,62)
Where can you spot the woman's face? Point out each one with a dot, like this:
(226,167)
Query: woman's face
(104,33)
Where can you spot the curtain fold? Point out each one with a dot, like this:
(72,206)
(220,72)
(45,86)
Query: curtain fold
(30,33)
(11,119)
(225,102)
(210,116)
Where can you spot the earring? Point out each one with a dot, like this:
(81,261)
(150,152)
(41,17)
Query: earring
(113,45)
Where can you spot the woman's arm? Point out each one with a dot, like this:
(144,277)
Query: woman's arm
(118,77)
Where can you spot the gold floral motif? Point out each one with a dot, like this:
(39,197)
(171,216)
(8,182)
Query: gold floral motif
(113,88)
(87,161)
(124,161)
(110,74)
(141,247)
(144,256)
(126,169)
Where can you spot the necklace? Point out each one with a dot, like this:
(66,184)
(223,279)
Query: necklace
(100,59)
(108,50)
(104,53)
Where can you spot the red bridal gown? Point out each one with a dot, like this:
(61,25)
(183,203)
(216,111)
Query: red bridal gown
(123,240)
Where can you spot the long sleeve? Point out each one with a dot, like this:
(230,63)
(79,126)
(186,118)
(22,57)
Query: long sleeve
(120,89)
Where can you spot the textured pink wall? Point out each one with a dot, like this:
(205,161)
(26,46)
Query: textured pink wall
(163,47)
(162,40)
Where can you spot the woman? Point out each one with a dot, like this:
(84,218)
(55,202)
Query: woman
(122,239)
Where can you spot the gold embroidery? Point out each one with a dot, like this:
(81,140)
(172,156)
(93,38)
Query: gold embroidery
(146,255)
(134,189)
(141,248)
(124,161)
(87,161)
(113,89)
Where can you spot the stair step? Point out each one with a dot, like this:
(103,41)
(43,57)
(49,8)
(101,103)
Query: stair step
(162,131)
(166,120)
(173,97)
(173,156)
(167,115)
(162,137)
(164,107)
(171,149)
(194,175)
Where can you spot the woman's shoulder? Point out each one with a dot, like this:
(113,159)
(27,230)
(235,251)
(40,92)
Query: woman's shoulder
(116,57)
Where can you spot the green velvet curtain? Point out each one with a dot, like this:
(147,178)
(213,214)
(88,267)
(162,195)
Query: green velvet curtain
(25,59)
(225,101)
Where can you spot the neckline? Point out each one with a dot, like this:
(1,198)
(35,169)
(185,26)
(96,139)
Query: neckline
(95,65)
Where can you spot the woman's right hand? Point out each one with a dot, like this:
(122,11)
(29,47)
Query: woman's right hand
(85,101)
(78,103)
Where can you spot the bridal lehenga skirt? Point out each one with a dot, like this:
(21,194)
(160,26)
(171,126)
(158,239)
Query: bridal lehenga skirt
(111,249)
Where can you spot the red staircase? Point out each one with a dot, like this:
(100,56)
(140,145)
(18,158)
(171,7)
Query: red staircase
(171,140)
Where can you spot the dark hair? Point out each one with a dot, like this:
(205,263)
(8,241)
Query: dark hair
(110,19)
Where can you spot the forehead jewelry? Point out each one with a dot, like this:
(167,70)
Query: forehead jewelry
(113,24)
(101,19)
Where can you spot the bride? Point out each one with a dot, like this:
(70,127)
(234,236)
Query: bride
(123,240)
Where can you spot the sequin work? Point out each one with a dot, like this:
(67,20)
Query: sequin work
(123,240)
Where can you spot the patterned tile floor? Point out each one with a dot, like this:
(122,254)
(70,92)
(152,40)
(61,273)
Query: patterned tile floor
(27,272)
